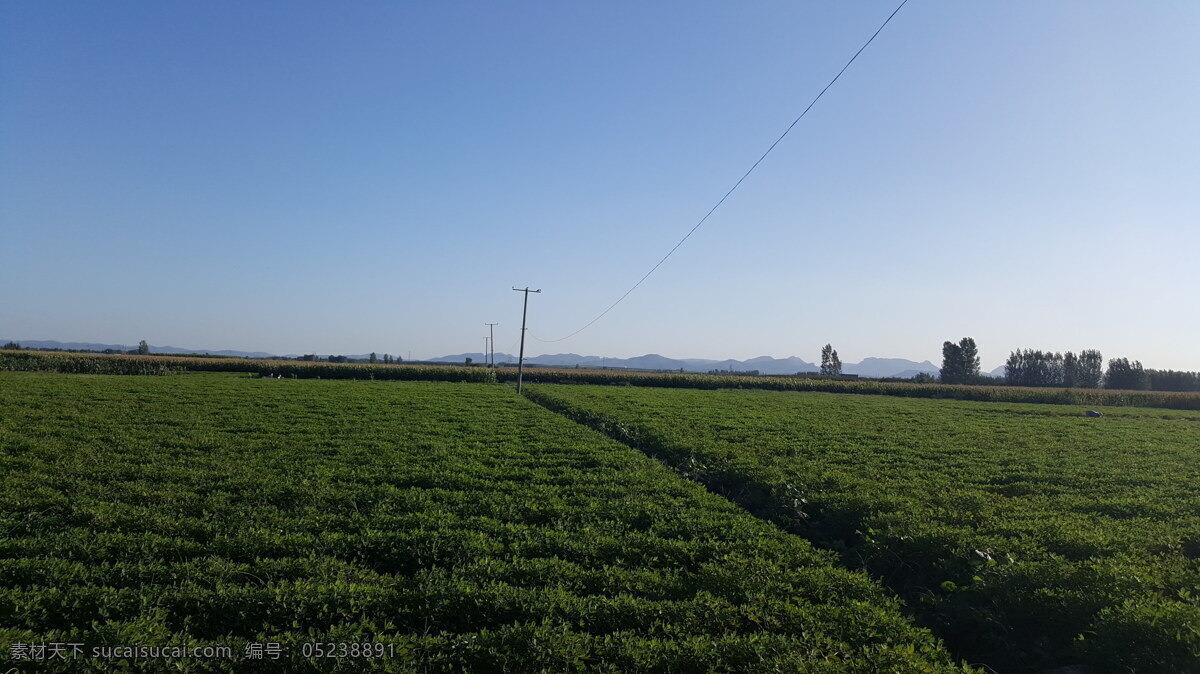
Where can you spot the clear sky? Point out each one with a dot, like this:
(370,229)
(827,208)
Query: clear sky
(375,176)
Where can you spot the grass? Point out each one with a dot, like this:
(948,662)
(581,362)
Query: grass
(1028,536)
(95,363)
(462,526)
(77,363)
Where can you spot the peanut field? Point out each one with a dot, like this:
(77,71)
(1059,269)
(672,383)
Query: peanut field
(437,526)
(1027,536)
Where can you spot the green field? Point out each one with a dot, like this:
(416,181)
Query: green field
(459,525)
(1026,535)
(92,363)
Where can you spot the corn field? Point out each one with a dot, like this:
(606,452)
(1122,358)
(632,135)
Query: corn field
(79,363)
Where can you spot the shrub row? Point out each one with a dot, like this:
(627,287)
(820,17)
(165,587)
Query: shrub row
(76,363)
(1097,397)
(135,365)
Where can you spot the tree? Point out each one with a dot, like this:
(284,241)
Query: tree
(1123,374)
(143,348)
(960,362)
(374,359)
(952,372)
(969,355)
(1054,369)
(830,363)
(1019,368)
(1027,367)
(1034,368)
(1172,380)
(11,346)
(1070,377)
(1090,369)
(469,360)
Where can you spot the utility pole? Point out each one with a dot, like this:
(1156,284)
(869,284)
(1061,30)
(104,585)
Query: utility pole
(492,331)
(524,313)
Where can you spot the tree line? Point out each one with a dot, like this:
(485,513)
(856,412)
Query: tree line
(373,359)
(143,349)
(1030,367)
(1027,367)
(1068,370)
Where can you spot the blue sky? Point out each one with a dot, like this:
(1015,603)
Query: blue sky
(375,176)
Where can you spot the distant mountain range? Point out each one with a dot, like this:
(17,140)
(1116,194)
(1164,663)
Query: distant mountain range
(867,367)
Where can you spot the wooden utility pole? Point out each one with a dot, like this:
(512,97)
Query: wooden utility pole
(524,313)
(492,332)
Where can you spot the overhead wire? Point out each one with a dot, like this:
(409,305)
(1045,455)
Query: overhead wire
(735,185)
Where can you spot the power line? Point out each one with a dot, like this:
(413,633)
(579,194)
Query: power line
(738,183)
(512,346)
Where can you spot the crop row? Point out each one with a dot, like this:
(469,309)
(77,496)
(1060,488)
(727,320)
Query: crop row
(128,364)
(80,363)
(466,526)
(1026,536)
(1014,394)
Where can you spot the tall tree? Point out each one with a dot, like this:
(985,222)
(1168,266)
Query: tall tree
(1054,369)
(143,348)
(1027,367)
(373,359)
(1070,378)
(953,368)
(1123,374)
(1014,368)
(1090,369)
(1172,380)
(969,353)
(960,362)
(830,363)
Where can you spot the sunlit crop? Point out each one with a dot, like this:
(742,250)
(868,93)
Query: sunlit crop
(1026,535)
(460,523)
